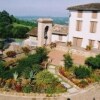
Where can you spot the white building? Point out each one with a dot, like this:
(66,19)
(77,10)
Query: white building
(59,33)
(48,32)
(84,25)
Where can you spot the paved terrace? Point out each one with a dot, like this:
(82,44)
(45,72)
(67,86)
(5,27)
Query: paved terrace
(78,54)
(57,57)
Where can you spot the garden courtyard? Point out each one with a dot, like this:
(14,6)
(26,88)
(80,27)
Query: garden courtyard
(49,73)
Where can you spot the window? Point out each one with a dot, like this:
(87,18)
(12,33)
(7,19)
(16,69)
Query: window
(80,14)
(78,25)
(93,26)
(94,14)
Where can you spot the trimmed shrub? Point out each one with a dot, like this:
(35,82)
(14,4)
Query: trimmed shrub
(47,82)
(27,89)
(98,56)
(93,62)
(22,64)
(28,64)
(26,50)
(36,68)
(26,73)
(2,68)
(82,72)
(45,78)
(42,52)
(11,54)
(68,61)
(83,83)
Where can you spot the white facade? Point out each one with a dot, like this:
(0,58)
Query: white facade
(56,38)
(85,30)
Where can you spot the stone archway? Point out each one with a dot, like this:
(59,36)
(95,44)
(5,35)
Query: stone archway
(44,31)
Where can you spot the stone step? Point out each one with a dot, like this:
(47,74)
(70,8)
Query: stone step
(51,67)
(66,85)
(73,90)
(52,71)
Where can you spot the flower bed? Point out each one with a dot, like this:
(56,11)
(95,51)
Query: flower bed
(28,75)
(82,83)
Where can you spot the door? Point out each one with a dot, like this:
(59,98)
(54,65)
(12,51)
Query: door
(74,41)
(99,45)
(77,42)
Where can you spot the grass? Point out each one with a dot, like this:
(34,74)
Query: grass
(95,77)
(16,24)
(19,40)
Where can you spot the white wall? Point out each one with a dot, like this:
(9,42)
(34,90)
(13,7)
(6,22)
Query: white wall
(55,38)
(85,32)
(41,28)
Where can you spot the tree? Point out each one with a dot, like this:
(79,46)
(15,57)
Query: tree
(42,52)
(13,18)
(20,31)
(93,62)
(82,72)
(5,24)
(1,45)
(7,28)
(68,61)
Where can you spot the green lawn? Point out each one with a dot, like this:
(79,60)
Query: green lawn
(19,40)
(16,24)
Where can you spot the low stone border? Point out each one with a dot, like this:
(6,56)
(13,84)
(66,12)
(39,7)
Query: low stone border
(25,96)
(67,80)
(72,84)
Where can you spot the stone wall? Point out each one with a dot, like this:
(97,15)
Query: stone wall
(29,97)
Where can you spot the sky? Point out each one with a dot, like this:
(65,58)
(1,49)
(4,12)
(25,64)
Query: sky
(55,8)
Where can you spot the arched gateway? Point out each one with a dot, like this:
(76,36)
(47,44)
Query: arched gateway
(44,31)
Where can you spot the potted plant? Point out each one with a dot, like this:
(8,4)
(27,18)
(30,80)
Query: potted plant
(26,50)
(52,45)
(69,43)
(88,47)
(11,54)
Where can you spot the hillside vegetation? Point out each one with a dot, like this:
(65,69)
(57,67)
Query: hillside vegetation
(12,27)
